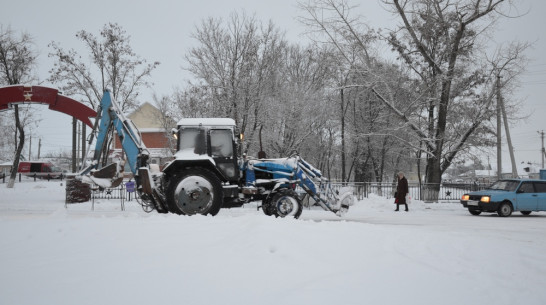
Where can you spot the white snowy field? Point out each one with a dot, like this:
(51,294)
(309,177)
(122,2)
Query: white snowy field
(433,254)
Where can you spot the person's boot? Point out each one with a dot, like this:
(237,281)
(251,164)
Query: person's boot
(407,208)
(397,207)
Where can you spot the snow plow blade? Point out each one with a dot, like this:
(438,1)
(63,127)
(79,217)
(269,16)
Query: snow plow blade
(345,200)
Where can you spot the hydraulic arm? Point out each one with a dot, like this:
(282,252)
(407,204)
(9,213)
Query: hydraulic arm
(110,118)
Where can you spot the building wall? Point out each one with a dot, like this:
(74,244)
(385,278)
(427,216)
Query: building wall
(156,139)
(146,116)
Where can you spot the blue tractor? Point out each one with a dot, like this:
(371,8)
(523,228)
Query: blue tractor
(206,173)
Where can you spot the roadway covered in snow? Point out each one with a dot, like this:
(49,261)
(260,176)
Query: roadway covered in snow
(433,254)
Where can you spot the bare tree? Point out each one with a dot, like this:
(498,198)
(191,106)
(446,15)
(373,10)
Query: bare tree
(167,120)
(235,65)
(113,65)
(17,62)
(438,42)
(300,107)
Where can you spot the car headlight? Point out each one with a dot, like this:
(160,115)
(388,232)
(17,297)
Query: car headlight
(465,197)
(485,199)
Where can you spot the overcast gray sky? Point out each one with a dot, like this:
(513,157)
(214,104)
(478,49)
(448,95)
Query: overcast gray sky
(160,31)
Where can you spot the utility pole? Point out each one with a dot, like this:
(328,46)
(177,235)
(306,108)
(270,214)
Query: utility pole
(542,152)
(84,151)
(74,130)
(499,143)
(29,147)
(509,140)
(78,145)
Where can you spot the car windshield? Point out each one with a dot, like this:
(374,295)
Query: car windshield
(504,185)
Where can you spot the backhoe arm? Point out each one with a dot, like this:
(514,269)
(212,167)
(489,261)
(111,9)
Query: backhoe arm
(111,118)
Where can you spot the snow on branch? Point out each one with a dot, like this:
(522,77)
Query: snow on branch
(416,129)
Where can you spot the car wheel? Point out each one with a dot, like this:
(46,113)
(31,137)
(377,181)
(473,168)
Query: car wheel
(525,212)
(505,209)
(474,212)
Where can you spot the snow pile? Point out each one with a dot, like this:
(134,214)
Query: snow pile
(433,254)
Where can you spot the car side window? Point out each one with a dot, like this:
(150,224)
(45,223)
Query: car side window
(526,187)
(540,187)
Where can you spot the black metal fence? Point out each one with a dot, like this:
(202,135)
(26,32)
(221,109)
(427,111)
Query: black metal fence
(361,190)
(123,191)
(35,176)
(447,192)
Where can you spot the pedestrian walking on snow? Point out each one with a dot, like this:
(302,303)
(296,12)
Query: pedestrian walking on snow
(401,192)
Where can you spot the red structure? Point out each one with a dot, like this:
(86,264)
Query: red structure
(43,95)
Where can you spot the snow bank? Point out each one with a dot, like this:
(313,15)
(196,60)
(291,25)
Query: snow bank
(433,254)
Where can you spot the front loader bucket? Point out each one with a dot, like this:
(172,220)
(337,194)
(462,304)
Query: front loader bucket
(345,200)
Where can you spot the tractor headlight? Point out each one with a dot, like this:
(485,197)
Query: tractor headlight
(485,199)
(465,197)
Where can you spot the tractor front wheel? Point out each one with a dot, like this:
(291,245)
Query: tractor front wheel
(286,203)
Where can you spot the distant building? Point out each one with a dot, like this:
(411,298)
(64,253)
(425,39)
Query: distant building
(5,168)
(156,137)
(528,170)
(524,170)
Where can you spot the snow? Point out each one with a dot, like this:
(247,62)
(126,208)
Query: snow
(206,122)
(189,154)
(433,254)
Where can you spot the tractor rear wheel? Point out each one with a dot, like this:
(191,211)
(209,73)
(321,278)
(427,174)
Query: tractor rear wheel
(286,203)
(195,191)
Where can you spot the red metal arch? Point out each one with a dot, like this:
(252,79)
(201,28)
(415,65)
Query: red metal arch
(44,95)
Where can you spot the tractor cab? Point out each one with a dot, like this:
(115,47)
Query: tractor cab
(208,140)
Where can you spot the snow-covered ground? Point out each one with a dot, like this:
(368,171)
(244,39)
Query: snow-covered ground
(433,254)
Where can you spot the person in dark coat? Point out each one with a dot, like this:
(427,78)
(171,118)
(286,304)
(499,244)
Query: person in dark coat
(401,191)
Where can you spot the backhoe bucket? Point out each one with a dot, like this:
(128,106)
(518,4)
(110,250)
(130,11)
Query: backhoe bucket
(109,176)
(109,171)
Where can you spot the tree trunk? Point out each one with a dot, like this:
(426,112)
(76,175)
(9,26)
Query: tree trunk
(431,188)
(19,146)
(342,136)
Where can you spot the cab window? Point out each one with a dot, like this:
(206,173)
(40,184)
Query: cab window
(188,137)
(221,143)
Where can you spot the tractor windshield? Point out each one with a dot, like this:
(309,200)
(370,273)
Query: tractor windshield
(187,138)
(194,139)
